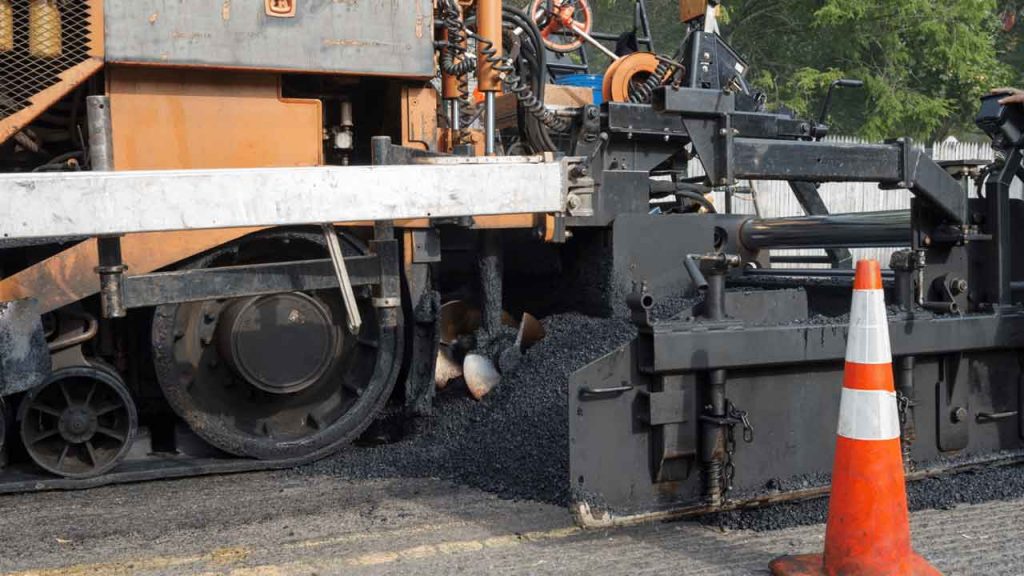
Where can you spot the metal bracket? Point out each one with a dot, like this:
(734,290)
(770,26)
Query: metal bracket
(952,403)
(111,270)
(426,246)
(670,412)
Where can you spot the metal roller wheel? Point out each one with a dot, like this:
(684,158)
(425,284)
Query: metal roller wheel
(275,377)
(79,423)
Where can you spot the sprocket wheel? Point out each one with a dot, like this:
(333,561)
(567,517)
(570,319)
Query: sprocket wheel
(79,423)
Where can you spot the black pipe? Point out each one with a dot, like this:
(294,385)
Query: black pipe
(713,447)
(860,230)
(798,259)
(809,273)
(490,268)
(693,268)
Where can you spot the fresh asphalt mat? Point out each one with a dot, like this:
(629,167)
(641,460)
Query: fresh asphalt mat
(277,524)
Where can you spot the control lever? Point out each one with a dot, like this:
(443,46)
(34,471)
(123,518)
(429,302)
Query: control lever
(821,129)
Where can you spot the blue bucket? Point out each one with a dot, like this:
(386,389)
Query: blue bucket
(592,81)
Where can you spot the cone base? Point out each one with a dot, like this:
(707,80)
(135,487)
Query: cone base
(814,565)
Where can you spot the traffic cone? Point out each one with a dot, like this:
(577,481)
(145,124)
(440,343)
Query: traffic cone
(868,530)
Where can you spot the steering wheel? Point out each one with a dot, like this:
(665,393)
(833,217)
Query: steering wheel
(560,22)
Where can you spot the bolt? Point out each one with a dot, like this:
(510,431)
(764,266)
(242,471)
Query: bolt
(958,286)
(927,241)
(666,137)
(592,113)
(959,414)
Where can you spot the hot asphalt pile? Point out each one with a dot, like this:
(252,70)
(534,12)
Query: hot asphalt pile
(515,443)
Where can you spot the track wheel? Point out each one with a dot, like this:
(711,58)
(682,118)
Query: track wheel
(275,377)
(79,423)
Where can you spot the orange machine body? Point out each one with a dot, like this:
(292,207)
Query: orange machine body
(176,115)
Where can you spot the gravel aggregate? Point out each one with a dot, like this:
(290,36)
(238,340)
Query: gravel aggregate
(940,492)
(515,443)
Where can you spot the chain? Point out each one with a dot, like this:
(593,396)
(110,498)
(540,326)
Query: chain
(734,416)
(729,470)
(902,405)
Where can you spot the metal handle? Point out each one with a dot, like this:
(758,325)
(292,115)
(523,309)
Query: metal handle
(699,281)
(987,417)
(355,321)
(596,392)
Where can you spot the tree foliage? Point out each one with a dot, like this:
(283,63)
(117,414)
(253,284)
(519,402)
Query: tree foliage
(925,63)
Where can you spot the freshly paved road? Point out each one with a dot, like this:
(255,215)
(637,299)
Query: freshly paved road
(272,524)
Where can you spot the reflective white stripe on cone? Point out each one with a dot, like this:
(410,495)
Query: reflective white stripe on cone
(868,415)
(868,341)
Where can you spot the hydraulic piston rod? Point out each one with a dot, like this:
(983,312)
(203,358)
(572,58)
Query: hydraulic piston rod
(861,230)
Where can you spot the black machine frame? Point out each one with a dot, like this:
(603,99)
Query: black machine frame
(654,425)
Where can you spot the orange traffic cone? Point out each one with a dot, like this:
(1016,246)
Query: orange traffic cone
(868,530)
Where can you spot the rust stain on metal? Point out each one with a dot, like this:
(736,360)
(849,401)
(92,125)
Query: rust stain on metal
(154,17)
(225,11)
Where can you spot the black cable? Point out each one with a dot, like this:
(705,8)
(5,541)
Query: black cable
(698,198)
(537,135)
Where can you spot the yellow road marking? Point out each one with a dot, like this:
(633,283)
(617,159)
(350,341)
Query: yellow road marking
(357,536)
(226,560)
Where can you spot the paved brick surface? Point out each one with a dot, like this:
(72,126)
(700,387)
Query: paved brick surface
(275,524)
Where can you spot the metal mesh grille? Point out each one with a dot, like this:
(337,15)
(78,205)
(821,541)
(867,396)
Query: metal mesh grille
(49,37)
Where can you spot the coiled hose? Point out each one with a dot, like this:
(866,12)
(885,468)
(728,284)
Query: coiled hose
(529,55)
(515,84)
(468,113)
(642,94)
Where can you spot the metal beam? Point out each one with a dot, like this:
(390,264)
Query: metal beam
(897,165)
(88,204)
(236,281)
(679,347)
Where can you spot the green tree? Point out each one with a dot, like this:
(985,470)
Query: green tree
(925,63)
